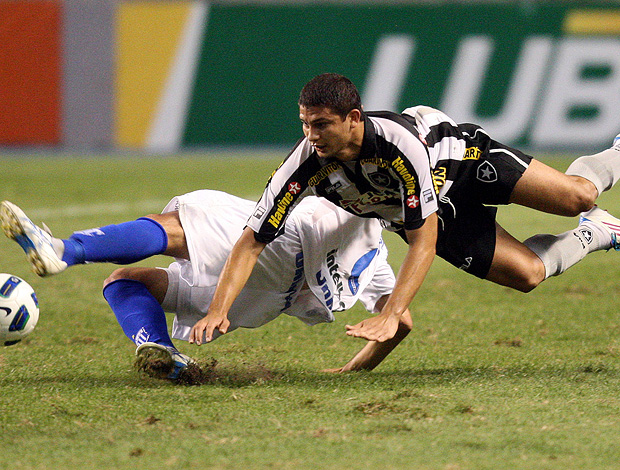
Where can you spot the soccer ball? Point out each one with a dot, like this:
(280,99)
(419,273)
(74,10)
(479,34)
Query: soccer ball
(19,309)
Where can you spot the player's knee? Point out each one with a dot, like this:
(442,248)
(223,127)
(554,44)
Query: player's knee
(527,285)
(120,273)
(531,277)
(582,198)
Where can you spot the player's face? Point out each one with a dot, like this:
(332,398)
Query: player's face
(329,134)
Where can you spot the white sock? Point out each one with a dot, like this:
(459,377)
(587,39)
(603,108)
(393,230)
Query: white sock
(602,169)
(560,252)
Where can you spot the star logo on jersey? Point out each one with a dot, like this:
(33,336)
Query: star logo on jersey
(294,188)
(379,179)
(486,173)
(413,201)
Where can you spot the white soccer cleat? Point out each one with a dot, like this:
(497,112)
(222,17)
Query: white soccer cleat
(161,362)
(35,241)
(616,143)
(604,219)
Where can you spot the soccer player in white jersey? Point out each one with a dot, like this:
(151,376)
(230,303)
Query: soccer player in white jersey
(325,260)
(431,180)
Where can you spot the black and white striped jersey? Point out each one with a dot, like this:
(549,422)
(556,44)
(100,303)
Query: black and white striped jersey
(402,166)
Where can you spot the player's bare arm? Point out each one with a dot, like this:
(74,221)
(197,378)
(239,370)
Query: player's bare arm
(373,353)
(413,270)
(233,278)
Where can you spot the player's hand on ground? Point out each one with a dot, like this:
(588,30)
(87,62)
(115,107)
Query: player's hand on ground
(333,371)
(206,326)
(380,328)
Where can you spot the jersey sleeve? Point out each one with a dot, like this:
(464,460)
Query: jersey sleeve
(410,164)
(283,190)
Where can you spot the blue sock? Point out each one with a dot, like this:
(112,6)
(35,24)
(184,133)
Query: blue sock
(124,243)
(138,312)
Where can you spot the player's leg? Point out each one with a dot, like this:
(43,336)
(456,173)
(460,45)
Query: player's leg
(122,243)
(127,242)
(135,296)
(602,169)
(546,189)
(514,264)
(523,266)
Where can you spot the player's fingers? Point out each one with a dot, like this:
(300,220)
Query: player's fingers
(198,331)
(209,332)
(192,335)
(223,328)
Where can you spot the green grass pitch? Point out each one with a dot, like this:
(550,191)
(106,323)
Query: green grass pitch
(488,379)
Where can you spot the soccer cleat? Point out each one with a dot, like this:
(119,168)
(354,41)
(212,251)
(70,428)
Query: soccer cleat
(604,219)
(616,143)
(161,362)
(35,241)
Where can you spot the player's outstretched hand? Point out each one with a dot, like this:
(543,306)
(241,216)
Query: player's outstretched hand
(380,328)
(206,326)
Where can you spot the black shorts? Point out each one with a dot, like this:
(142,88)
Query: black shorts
(486,176)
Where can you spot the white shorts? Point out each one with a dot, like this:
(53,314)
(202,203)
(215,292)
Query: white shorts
(213,221)
(343,260)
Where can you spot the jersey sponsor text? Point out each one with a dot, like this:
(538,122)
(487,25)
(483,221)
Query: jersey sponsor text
(401,169)
(283,204)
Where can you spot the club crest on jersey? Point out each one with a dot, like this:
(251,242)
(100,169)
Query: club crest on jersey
(294,188)
(486,173)
(413,201)
(380,179)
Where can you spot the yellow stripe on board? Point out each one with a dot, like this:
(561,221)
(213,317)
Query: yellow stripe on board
(592,22)
(148,34)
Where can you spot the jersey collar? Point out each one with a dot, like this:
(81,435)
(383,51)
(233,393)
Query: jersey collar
(369,146)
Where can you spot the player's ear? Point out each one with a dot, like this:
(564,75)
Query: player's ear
(354,117)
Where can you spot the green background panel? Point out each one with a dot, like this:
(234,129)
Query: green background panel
(255,59)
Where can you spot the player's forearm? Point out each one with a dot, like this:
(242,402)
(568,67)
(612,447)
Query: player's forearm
(415,266)
(371,355)
(236,272)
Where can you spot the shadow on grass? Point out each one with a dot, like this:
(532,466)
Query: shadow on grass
(258,374)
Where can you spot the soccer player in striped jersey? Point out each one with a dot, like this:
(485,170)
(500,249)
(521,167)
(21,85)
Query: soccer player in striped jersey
(432,181)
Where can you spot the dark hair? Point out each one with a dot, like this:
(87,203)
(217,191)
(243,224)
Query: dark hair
(332,91)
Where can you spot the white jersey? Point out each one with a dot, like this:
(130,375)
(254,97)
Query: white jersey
(325,260)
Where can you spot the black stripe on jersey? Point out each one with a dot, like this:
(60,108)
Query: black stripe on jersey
(447,169)
(399,119)
(440,131)
(285,200)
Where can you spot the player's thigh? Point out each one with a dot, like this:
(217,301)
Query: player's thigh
(514,264)
(549,190)
(177,243)
(155,279)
